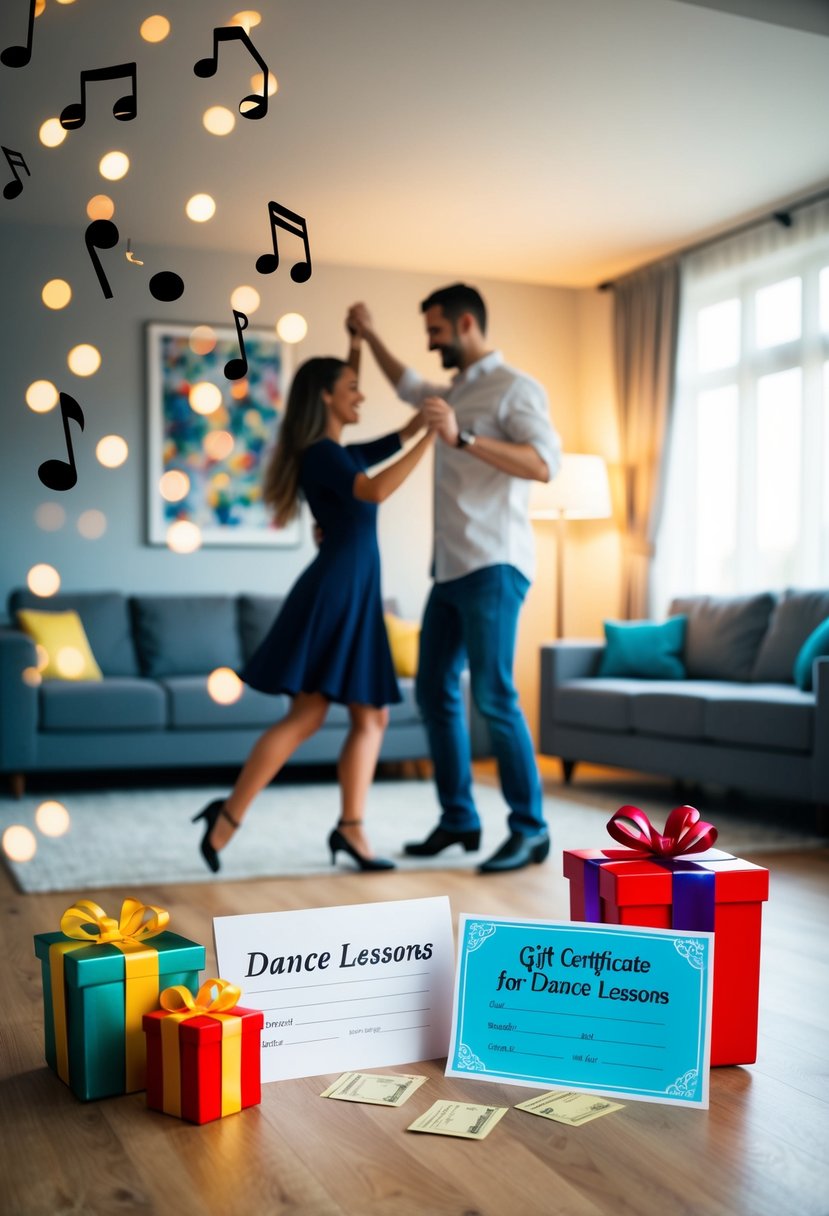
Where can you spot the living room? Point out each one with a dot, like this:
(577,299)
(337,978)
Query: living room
(538,154)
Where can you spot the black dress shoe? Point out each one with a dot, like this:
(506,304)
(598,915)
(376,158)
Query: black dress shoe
(210,814)
(338,843)
(441,839)
(516,852)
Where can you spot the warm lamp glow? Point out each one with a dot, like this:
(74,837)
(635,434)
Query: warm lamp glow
(292,327)
(200,208)
(218,120)
(52,818)
(100,207)
(19,843)
(154,29)
(41,396)
(114,166)
(224,686)
(84,360)
(174,485)
(51,133)
(246,300)
(205,398)
(111,451)
(183,536)
(580,490)
(43,580)
(92,524)
(56,293)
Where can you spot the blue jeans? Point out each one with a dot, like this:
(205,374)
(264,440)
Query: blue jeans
(475,618)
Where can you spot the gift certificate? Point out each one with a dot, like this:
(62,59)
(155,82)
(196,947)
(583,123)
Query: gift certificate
(605,1009)
(361,986)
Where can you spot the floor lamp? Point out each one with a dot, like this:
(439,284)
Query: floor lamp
(580,490)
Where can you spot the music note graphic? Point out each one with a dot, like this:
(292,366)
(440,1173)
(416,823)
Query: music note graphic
(281,217)
(63,474)
(207,67)
(235,369)
(19,56)
(166,285)
(125,108)
(101,234)
(12,189)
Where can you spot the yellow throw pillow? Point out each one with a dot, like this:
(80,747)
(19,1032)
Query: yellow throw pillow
(404,642)
(61,635)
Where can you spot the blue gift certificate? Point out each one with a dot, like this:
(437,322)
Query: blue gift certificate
(610,1009)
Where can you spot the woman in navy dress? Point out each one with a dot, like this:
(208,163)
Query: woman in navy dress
(329,640)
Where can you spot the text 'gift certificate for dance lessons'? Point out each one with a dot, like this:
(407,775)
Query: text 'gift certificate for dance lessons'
(612,1010)
(361,986)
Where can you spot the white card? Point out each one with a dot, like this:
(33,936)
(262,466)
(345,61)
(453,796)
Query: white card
(360,986)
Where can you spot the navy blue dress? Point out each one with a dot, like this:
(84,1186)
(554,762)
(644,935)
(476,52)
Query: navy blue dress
(329,636)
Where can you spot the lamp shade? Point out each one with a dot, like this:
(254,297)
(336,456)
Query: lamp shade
(580,490)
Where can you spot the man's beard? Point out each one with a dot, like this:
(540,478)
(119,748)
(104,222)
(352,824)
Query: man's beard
(450,354)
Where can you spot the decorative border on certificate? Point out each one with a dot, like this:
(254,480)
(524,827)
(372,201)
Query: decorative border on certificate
(605,1009)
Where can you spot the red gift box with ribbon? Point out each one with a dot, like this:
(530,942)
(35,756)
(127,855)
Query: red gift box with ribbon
(677,880)
(203,1053)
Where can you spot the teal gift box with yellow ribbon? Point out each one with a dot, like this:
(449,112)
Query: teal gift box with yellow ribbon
(100,976)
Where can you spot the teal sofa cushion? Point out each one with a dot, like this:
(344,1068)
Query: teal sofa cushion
(816,646)
(644,649)
(185,635)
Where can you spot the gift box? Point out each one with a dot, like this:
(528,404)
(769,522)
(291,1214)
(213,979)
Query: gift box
(676,880)
(100,976)
(203,1053)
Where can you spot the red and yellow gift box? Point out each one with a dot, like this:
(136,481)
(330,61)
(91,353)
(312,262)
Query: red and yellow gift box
(203,1053)
(676,880)
(100,976)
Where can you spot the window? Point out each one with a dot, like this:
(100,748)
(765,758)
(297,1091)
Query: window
(746,482)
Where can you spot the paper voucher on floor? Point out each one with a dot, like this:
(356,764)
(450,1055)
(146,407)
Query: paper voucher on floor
(379,1090)
(362,986)
(572,1109)
(471,1122)
(605,1009)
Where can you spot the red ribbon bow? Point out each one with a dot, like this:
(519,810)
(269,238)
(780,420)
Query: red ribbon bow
(684,832)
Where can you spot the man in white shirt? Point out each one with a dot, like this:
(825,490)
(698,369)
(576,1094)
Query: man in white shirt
(496,437)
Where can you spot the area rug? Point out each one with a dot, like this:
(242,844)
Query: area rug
(133,837)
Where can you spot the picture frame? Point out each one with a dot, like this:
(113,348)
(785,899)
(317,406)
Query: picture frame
(221,453)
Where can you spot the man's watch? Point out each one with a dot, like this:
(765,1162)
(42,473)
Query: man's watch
(466,439)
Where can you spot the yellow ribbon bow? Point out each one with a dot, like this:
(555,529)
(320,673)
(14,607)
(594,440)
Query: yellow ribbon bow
(181,1005)
(87,924)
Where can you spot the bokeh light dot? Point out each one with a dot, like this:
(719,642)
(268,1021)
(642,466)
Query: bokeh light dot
(92,524)
(245,299)
(292,327)
(43,579)
(247,18)
(42,656)
(56,293)
(256,83)
(69,662)
(41,396)
(224,686)
(50,516)
(200,208)
(111,451)
(205,398)
(100,207)
(114,165)
(240,389)
(202,340)
(174,485)
(155,28)
(51,133)
(52,818)
(218,120)
(31,677)
(40,6)
(218,444)
(84,360)
(19,843)
(183,536)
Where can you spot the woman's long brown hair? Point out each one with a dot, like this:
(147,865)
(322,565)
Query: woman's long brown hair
(304,422)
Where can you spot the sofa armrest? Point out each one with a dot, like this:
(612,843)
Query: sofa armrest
(18,702)
(562,661)
(821,686)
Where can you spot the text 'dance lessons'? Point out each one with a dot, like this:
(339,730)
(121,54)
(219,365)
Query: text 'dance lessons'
(346,988)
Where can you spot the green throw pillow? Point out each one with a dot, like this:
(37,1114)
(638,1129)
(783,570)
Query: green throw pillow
(644,650)
(816,646)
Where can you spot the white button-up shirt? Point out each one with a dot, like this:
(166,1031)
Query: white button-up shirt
(481,514)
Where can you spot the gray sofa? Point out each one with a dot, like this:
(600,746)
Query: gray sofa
(152,709)
(737,720)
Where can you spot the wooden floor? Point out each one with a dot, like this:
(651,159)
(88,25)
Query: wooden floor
(763,1147)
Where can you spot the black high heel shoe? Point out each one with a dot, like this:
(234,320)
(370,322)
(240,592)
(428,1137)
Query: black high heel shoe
(210,814)
(338,843)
